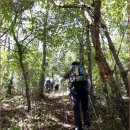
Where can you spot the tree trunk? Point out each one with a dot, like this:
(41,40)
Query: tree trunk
(104,67)
(10,86)
(81,49)
(89,53)
(25,77)
(20,52)
(105,90)
(123,72)
(42,77)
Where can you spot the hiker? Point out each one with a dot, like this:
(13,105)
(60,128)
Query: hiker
(56,87)
(80,84)
(48,86)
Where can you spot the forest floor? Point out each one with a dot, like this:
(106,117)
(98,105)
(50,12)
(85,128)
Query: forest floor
(53,112)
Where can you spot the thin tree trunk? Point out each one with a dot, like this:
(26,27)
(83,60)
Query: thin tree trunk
(25,78)
(20,52)
(42,77)
(10,86)
(89,53)
(81,49)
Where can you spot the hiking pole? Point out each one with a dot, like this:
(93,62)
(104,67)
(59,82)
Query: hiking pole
(66,120)
(94,111)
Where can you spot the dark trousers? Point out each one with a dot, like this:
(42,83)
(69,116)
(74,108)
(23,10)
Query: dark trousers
(79,95)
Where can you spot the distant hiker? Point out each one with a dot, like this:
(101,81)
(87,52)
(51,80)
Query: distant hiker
(79,89)
(56,87)
(48,86)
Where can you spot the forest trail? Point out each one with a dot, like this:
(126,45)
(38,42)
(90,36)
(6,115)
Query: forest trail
(60,111)
(54,112)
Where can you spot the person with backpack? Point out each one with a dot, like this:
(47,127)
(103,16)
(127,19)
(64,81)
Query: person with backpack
(48,86)
(80,84)
(56,87)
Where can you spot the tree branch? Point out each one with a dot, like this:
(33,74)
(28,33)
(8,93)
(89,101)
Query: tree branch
(3,33)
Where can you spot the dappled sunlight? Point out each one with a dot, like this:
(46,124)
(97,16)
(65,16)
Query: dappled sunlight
(57,94)
(52,113)
(48,114)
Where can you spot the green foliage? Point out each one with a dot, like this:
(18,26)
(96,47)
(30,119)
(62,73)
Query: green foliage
(64,25)
(14,127)
(6,15)
(63,28)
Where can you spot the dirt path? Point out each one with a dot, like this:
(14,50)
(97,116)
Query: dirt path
(54,112)
(61,112)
